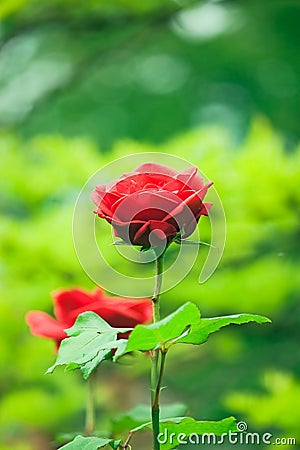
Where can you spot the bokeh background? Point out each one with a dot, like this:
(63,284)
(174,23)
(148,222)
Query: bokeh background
(82,83)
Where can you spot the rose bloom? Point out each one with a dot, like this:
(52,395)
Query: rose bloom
(153,204)
(69,303)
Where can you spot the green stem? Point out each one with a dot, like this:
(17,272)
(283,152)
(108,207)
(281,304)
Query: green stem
(160,377)
(158,281)
(90,408)
(155,376)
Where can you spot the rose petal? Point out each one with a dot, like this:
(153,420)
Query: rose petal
(148,173)
(194,202)
(205,209)
(189,179)
(162,231)
(137,182)
(118,312)
(43,325)
(155,168)
(120,315)
(190,227)
(185,193)
(66,302)
(142,310)
(127,230)
(98,193)
(146,205)
(105,207)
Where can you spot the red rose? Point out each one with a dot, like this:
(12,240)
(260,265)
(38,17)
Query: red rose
(153,204)
(68,304)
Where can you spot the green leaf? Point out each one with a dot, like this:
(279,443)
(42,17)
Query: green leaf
(122,344)
(164,332)
(89,443)
(90,366)
(90,321)
(200,332)
(180,428)
(102,355)
(62,438)
(142,414)
(91,341)
(84,348)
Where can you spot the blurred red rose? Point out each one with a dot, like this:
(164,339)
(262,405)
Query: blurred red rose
(153,204)
(69,303)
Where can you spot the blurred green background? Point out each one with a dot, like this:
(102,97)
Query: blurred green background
(82,83)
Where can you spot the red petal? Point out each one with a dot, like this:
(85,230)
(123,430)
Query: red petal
(67,302)
(147,174)
(194,202)
(141,310)
(41,324)
(155,168)
(205,209)
(185,193)
(189,179)
(127,230)
(119,317)
(137,182)
(109,199)
(98,194)
(189,228)
(161,230)
(120,312)
(146,205)
(100,191)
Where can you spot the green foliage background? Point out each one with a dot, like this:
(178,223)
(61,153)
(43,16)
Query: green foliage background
(83,85)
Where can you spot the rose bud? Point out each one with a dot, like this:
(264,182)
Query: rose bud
(153,204)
